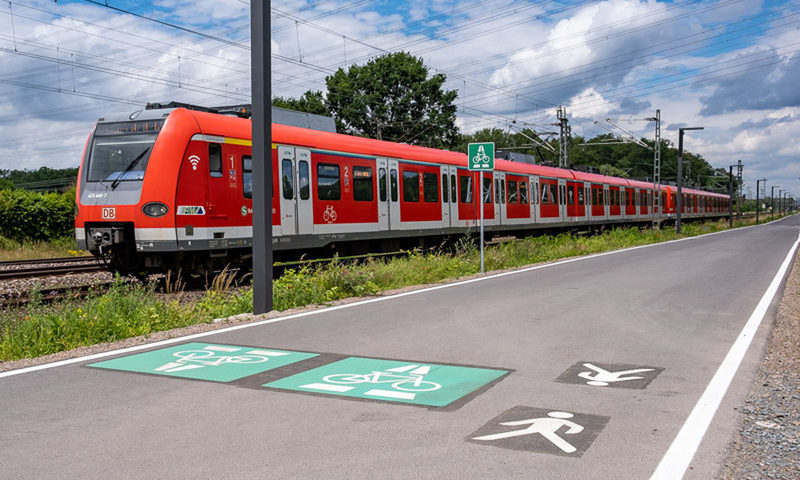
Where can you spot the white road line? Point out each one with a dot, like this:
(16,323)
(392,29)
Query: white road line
(684,446)
(171,341)
(377,392)
(217,348)
(267,353)
(327,387)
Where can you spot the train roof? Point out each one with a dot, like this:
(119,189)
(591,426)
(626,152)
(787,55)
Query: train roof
(215,124)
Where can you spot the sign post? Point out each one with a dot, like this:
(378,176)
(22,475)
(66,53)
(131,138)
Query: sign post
(480,158)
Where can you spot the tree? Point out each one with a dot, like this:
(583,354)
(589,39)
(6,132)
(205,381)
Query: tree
(392,97)
(309,102)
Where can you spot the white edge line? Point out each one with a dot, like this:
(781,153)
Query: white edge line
(171,341)
(679,455)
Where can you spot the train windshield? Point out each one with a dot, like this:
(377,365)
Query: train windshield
(120,151)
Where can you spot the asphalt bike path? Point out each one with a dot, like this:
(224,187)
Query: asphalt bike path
(589,368)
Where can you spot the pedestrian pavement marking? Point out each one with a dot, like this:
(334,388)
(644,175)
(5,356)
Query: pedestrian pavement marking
(202,361)
(608,375)
(541,430)
(391,380)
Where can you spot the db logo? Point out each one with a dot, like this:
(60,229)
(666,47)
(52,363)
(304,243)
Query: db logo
(109,213)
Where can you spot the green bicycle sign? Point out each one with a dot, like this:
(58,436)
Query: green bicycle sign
(481,156)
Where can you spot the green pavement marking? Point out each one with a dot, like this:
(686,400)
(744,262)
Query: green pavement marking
(391,380)
(203,361)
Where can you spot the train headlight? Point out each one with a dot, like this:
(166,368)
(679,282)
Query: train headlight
(155,209)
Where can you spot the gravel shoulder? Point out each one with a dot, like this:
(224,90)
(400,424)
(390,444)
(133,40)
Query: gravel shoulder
(767,442)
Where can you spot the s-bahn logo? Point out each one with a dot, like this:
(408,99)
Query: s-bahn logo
(109,213)
(191,210)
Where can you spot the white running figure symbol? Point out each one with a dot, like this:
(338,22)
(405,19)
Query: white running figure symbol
(546,427)
(601,377)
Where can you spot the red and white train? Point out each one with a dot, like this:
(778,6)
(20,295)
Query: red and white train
(167,188)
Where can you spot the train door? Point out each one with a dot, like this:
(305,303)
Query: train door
(444,197)
(383,193)
(535,198)
(452,173)
(394,195)
(529,196)
(286,190)
(305,207)
(562,199)
(500,198)
(294,170)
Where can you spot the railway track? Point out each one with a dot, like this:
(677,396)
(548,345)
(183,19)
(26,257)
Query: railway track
(52,294)
(44,267)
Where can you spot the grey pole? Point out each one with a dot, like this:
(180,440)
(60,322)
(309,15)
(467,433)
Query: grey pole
(730,194)
(679,205)
(758,202)
(772,202)
(262,159)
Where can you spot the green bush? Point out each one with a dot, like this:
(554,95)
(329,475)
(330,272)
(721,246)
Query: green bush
(28,215)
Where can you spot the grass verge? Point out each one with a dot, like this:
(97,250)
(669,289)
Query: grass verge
(130,310)
(28,250)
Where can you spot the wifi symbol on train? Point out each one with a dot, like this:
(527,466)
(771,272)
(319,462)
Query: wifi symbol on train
(194,160)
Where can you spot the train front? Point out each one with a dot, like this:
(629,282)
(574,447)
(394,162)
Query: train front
(126,189)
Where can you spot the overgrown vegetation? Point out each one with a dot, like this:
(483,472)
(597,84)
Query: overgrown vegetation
(30,216)
(129,310)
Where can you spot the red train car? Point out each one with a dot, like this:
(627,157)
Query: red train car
(172,188)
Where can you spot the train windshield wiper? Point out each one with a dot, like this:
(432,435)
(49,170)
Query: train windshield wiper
(128,168)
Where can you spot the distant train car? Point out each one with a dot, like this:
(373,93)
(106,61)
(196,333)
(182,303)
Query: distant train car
(172,188)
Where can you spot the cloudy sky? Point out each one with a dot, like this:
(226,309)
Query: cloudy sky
(730,66)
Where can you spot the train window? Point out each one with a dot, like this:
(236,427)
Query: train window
(554,194)
(580,195)
(247,176)
(523,192)
(466,188)
(571,195)
(545,194)
(410,186)
(487,190)
(453,196)
(328,182)
(445,196)
(382,184)
(304,181)
(430,187)
(215,159)
(496,190)
(503,190)
(393,180)
(362,184)
(512,192)
(288,179)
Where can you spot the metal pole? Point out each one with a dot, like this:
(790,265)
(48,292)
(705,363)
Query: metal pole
(757,184)
(481,205)
(730,194)
(772,202)
(680,182)
(262,154)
